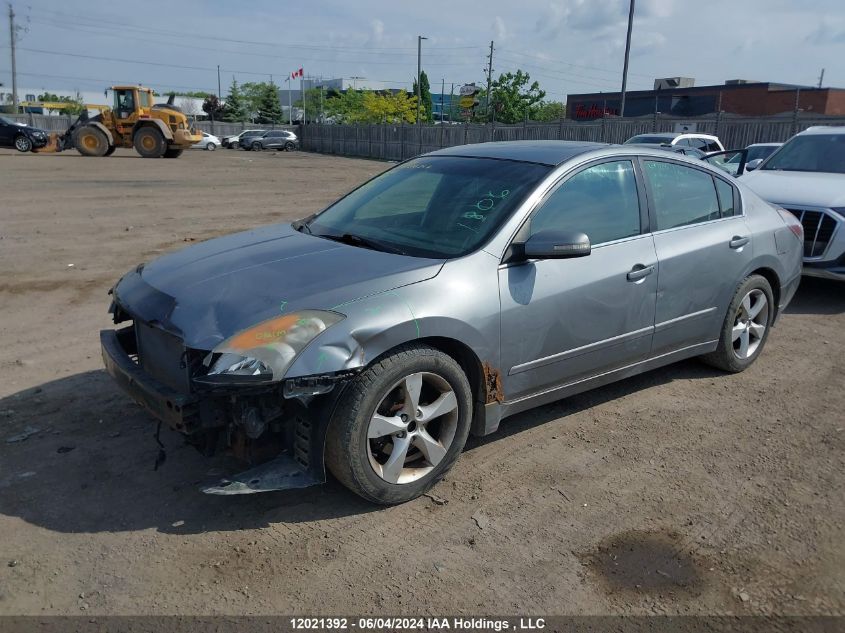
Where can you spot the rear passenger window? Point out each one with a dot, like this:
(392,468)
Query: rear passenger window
(713,146)
(600,201)
(726,198)
(682,195)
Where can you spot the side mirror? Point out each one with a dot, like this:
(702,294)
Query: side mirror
(753,164)
(554,244)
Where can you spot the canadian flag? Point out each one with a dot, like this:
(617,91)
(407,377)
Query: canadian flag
(296,73)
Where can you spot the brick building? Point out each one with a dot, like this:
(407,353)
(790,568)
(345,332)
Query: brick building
(750,98)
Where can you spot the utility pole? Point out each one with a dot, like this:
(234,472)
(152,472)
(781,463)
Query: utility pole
(442,90)
(219,92)
(420,38)
(12,37)
(451,104)
(489,79)
(821,78)
(627,54)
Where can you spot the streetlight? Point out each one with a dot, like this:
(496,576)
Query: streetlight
(420,38)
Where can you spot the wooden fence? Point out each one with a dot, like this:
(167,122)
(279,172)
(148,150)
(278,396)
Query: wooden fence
(398,142)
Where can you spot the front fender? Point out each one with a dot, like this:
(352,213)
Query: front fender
(377,324)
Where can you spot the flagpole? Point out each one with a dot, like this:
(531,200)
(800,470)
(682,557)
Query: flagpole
(302,93)
(290,112)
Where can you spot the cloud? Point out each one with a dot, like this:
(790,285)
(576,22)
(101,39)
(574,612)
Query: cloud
(500,30)
(376,31)
(826,34)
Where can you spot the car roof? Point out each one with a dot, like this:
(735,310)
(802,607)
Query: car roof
(765,144)
(824,129)
(542,152)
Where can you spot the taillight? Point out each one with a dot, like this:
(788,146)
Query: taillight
(792,222)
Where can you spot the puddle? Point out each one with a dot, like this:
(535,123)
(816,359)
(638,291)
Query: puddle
(644,561)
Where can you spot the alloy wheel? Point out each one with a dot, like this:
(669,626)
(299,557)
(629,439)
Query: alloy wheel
(750,323)
(412,428)
(23,144)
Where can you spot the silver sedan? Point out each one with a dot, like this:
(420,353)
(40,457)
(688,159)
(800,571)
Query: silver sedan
(446,294)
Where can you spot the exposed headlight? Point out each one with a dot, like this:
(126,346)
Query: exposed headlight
(263,353)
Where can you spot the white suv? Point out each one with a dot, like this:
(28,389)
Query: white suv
(807,177)
(702,142)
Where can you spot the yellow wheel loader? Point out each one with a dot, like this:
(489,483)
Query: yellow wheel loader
(154,130)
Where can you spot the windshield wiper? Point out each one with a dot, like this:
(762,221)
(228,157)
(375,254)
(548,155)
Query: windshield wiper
(363,242)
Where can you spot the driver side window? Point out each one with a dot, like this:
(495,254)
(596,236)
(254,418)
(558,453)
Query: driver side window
(600,201)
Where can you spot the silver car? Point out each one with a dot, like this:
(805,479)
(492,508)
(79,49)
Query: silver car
(439,298)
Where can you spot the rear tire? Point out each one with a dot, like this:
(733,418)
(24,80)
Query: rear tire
(257,147)
(110,150)
(172,152)
(746,326)
(23,144)
(149,143)
(90,141)
(431,427)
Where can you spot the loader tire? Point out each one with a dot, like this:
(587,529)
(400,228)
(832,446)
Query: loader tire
(110,150)
(149,143)
(172,152)
(89,141)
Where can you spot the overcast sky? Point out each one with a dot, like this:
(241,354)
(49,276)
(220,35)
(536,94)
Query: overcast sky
(569,46)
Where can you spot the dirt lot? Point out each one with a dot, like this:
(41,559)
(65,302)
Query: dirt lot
(680,491)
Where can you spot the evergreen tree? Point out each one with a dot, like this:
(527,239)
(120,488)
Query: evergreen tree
(425,97)
(235,109)
(269,107)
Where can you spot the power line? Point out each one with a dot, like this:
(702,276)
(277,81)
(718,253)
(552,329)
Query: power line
(119,22)
(569,63)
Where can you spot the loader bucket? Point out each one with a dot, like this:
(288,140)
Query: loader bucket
(54,144)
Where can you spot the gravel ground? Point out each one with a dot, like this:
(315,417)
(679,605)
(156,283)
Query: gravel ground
(682,491)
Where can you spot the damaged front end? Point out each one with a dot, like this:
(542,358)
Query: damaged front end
(232,397)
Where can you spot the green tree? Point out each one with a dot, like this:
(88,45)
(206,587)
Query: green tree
(514,96)
(389,107)
(268,107)
(310,104)
(425,97)
(73,105)
(345,107)
(549,111)
(235,108)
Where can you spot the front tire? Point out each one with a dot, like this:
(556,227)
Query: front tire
(257,147)
(23,144)
(211,147)
(90,141)
(289,147)
(746,326)
(172,152)
(400,425)
(149,143)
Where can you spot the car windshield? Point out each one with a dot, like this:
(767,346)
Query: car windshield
(648,138)
(813,152)
(435,206)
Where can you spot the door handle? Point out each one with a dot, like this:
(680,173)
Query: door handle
(640,272)
(738,241)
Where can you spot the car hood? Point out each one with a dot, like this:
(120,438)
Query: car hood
(801,188)
(212,290)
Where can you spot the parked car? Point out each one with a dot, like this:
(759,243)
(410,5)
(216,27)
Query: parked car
(209,142)
(807,177)
(231,142)
(702,142)
(452,291)
(271,139)
(21,136)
